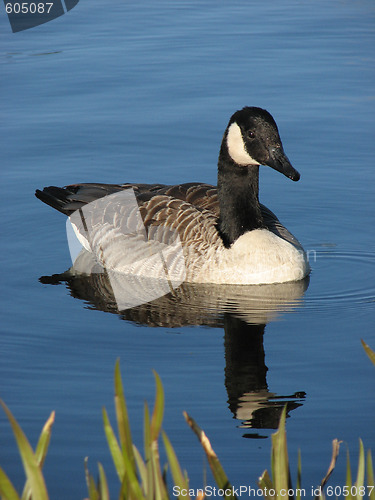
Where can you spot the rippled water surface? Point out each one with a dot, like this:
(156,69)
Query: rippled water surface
(142,93)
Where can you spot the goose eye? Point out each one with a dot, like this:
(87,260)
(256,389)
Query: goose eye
(250,134)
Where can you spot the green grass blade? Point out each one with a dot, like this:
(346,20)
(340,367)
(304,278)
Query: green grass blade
(122,417)
(165,471)
(7,490)
(266,484)
(160,489)
(348,480)
(280,461)
(152,438)
(142,470)
(123,495)
(370,476)
(370,353)
(103,485)
(93,492)
(90,483)
(114,447)
(360,481)
(158,413)
(29,461)
(146,431)
(147,448)
(299,476)
(218,472)
(41,451)
(44,440)
(131,486)
(177,474)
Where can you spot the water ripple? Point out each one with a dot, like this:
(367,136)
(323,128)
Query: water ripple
(342,278)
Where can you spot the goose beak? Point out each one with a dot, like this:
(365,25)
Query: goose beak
(280,162)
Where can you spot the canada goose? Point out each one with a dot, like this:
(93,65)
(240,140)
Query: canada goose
(227,236)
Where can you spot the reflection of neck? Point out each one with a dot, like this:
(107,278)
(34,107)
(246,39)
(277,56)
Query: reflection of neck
(245,369)
(238,189)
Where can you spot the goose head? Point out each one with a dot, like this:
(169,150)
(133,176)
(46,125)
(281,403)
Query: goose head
(252,139)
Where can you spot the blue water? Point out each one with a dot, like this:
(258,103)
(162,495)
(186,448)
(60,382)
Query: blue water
(142,93)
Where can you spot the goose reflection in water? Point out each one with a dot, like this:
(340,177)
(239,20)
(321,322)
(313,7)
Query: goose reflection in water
(243,311)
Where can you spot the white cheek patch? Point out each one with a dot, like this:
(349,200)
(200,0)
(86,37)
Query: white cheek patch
(236,147)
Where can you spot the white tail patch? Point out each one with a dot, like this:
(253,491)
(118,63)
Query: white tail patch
(236,147)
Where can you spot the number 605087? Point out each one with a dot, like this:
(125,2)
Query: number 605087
(345,491)
(28,8)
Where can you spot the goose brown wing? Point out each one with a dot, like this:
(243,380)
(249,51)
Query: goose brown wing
(196,226)
(195,193)
(70,198)
(132,223)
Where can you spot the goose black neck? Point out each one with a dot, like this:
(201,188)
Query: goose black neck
(238,189)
